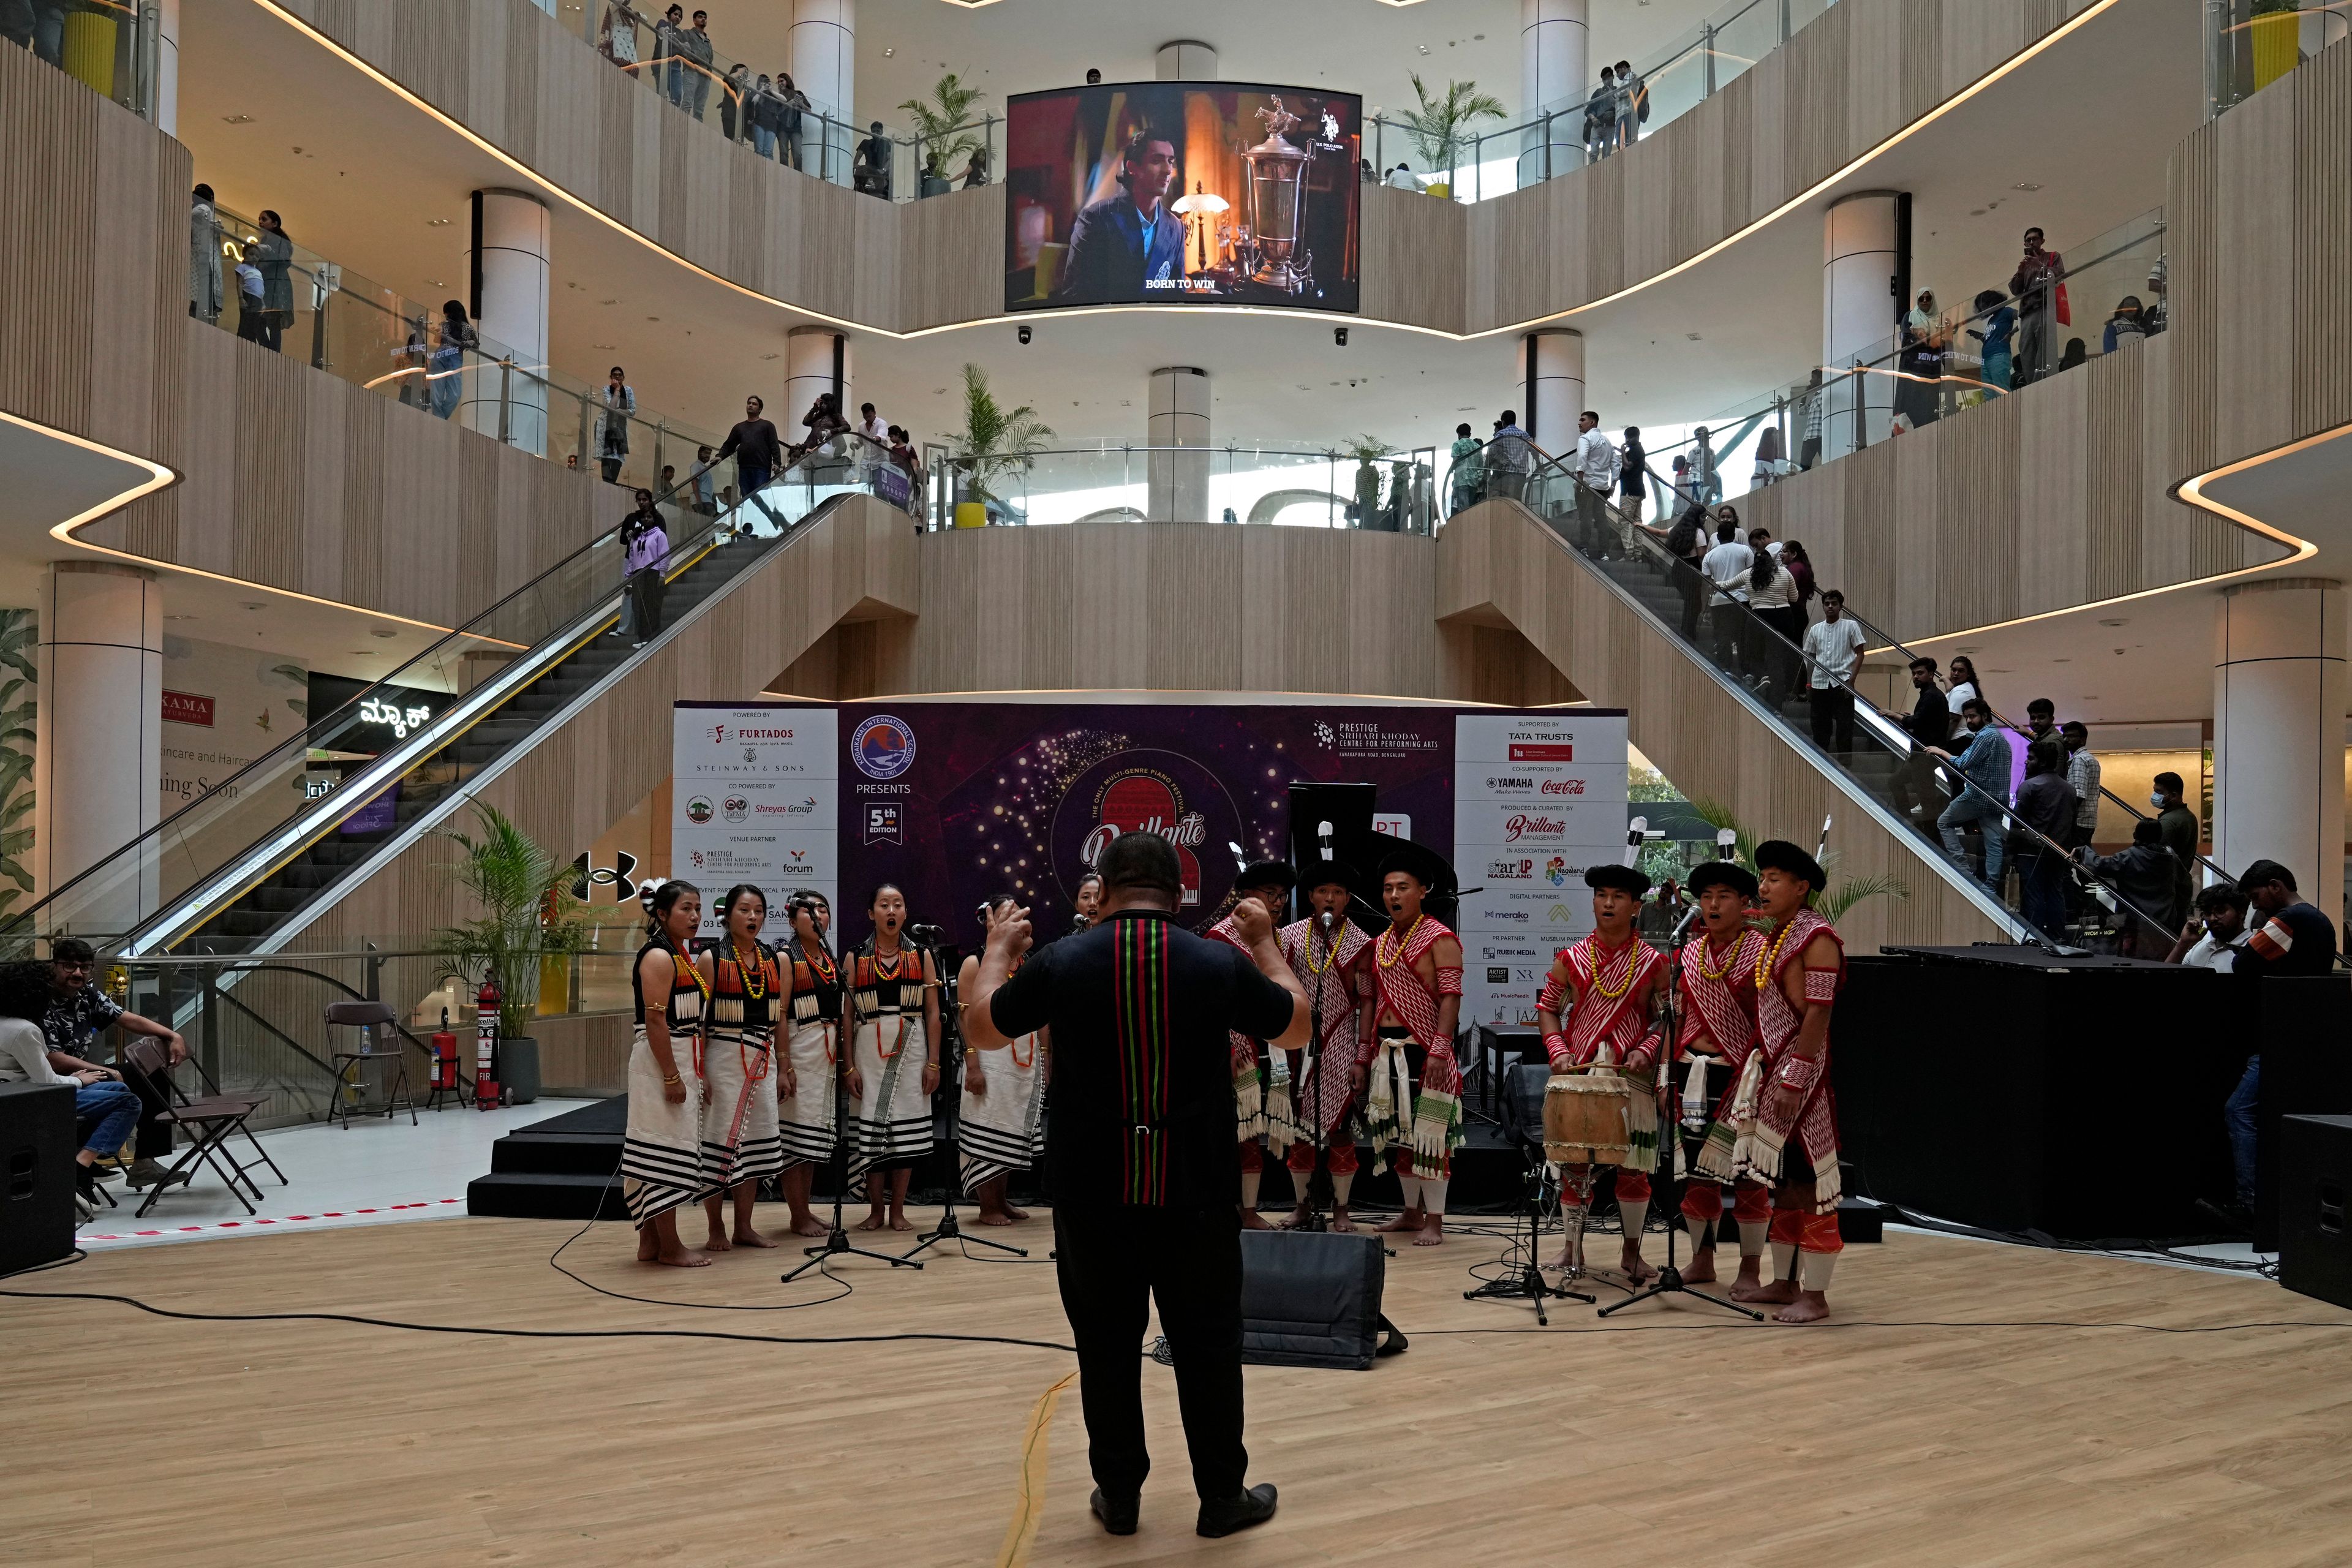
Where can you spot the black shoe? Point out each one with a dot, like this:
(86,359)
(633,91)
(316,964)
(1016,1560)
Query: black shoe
(2236,1218)
(86,1182)
(1255,1506)
(1118,1518)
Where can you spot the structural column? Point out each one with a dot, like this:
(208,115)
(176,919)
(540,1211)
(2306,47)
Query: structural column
(167,66)
(1554,44)
(816,360)
(1178,481)
(1866,260)
(824,65)
(2278,733)
(508,280)
(1185,59)
(1551,387)
(98,760)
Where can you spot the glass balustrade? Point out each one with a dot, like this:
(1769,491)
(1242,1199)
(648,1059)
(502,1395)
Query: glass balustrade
(2250,44)
(1392,492)
(111,47)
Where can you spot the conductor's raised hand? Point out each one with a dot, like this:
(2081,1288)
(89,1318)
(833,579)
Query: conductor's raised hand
(1008,931)
(1252,922)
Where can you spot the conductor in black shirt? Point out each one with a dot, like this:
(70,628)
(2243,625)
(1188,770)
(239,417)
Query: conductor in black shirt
(1140,1133)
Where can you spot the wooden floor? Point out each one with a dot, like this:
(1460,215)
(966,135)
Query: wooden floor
(132,1439)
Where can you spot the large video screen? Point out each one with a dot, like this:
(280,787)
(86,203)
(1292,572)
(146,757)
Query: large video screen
(1182,193)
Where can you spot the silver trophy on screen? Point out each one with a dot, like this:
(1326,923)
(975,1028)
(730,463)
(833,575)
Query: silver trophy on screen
(1277,206)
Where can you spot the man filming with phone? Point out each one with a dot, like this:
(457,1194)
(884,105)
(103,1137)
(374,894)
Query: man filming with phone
(1139,1135)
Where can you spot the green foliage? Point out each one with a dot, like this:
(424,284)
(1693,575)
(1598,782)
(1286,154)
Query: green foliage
(1649,784)
(529,912)
(1833,901)
(942,123)
(19,629)
(1367,448)
(1440,129)
(994,440)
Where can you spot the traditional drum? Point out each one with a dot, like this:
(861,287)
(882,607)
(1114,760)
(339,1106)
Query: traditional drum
(1588,1118)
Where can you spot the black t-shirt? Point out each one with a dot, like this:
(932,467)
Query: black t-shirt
(1931,717)
(753,444)
(2298,940)
(1141,1105)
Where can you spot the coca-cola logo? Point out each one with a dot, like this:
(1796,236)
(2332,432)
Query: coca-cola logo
(1563,786)
(1519,824)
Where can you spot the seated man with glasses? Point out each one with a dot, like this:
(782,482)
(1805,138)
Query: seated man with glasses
(78,1012)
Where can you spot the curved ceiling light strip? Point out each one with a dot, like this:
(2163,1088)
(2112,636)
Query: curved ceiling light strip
(2015,62)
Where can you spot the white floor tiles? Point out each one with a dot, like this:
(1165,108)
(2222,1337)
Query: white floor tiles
(376,1173)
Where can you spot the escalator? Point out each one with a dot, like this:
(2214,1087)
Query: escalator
(2041,894)
(247,863)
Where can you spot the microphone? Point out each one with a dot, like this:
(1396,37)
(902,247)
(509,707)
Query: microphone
(1683,925)
(1240,861)
(1324,919)
(1824,844)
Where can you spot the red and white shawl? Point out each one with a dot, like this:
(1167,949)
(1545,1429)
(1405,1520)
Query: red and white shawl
(1430,1122)
(1261,1108)
(1398,985)
(1612,998)
(1337,978)
(1761,1139)
(1719,996)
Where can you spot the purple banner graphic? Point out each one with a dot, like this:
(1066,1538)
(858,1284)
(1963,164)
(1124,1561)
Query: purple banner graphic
(956,801)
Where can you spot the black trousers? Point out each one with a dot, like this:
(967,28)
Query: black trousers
(648,589)
(1112,1262)
(1833,709)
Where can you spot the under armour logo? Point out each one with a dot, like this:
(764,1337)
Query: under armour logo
(620,877)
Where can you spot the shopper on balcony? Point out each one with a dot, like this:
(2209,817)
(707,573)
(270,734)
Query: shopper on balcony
(1983,764)
(2124,326)
(1633,104)
(251,319)
(1996,330)
(667,33)
(36,25)
(871,173)
(734,103)
(2041,306)
(616,36)
(276,262)
(796,104)
(620,403)
(446,371)
(1400,178)
(1600,117)
(204,257)
(695,43)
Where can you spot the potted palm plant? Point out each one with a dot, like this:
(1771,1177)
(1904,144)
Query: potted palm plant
(943,129)
(530,915)
(1832,902)
(1440,129)
(995,441)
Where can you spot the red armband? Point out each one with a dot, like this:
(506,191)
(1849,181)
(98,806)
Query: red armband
(1556,1047)
(1822,984)
(1449,981)
(1798,1074)
(1553,994)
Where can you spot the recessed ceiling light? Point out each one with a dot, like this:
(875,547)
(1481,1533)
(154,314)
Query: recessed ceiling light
(435,283)
(380,632)
(890,53)
(1692,336)
(2118,621)
(2025,185)
(253,607)
(236,119)
(436,223)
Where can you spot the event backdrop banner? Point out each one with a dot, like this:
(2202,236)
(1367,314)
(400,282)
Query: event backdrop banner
(954,802)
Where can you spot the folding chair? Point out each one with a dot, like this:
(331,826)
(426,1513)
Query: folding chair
(214,1119)
(351,1067)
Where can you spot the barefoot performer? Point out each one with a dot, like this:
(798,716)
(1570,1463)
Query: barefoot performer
(1718,982)
(1260,1078)
(1612,983)
(1004,1102)
(661,1155)
(1786,1117)
(1333,961)
(894,1000)
(804,1068)
(1412,1084)
(741,1145)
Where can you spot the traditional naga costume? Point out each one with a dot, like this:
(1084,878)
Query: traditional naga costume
(1005,1124)
(1262,1110)
(894,1117)
(1415,1105)
(1335,970)
(662,1165)
(1800,1152)
(1609,1030)
(1717,985)
(740,1141)
(813,1040)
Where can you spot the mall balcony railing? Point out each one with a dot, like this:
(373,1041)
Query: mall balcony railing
(286,826)
(778,121)
(1918,377)
(2056,899)
(2250,44)
(1550,139)
(372,336)
(1391,492)
(111,47)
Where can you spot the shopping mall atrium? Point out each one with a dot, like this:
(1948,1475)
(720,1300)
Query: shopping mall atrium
(917,530)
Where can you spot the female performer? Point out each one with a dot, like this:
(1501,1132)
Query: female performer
(1087,901)
(1003,1106)
(894,1016)
(805,1070)
(741,1145)
(661,1159)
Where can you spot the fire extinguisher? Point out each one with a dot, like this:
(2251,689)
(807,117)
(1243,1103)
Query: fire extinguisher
(445,1055)
(485,1045)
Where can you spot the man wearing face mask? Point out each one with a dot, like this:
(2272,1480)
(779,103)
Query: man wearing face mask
(1984,764)
(2181,835)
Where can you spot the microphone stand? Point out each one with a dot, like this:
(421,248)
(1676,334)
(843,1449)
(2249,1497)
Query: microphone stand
(836,1240)
(1669,1276)
(951,1049)
(1302,1099)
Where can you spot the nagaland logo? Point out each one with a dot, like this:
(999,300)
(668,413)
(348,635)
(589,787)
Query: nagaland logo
(699,810)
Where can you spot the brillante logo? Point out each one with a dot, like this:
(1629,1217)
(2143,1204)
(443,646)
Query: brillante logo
(1519,824)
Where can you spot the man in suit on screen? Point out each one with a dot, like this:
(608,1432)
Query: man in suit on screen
(1128,247)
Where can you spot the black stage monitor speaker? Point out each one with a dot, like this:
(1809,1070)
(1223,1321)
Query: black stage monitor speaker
(37,1174)
(2314,1185)
(1313,1299)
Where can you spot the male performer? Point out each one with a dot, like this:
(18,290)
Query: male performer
(1718,986)
(1414,1084)
(1786,1120)
(1333,960)
(1612,981)
(1128,247)
(1261,1084)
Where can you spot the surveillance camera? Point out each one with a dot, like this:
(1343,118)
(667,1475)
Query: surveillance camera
(1339,336)
(1025,334)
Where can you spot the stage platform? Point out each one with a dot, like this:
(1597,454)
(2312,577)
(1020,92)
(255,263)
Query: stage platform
(1921,1432)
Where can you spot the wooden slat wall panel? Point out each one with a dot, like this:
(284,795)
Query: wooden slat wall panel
(1496,562)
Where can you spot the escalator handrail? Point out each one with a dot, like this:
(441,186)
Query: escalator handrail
(1879,725)
(27,919)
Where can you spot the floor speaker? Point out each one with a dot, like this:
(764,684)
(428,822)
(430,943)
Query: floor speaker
(2315,1170)
(37,1174)
(1313,1299)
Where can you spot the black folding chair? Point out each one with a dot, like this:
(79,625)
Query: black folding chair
(375,1046)
(214,1119)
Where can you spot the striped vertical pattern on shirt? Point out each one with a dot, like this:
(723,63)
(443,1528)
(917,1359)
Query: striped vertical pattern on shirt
(1139,981)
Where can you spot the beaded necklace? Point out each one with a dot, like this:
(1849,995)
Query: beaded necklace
(1768,958)
(1381,948)
(754,974)
(820,962)
(1592,958)
(898,962)
(1330,955)
(1730,959)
